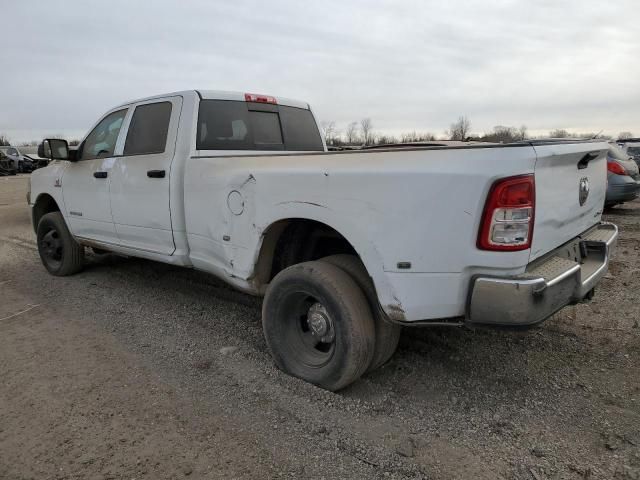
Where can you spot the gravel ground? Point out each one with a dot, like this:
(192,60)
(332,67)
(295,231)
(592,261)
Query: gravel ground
(134,369)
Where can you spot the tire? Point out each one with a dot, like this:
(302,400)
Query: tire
(330,357)
(387,333)
(61,255)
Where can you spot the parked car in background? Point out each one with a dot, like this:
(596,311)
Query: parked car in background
(21,163)
(37,162)
(6,165)
(631,146)
(623,178)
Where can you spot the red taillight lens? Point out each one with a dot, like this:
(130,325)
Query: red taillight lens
(615,167)
(507,220)
(254,97)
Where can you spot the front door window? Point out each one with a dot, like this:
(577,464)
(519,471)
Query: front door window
(101,142)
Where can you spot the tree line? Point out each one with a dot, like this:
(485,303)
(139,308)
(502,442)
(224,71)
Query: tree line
(5,141)
(362,134)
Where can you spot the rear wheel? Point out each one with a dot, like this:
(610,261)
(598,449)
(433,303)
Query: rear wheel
(318,325)
(61,255)
(387,333)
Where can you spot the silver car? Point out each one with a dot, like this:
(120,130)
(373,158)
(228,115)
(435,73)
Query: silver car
(17,161)
(623,178)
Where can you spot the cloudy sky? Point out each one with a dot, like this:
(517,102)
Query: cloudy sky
(409,65)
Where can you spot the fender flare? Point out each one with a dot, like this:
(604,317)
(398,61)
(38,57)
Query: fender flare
(361,242)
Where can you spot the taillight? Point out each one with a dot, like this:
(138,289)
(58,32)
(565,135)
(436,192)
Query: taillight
(615,167)
(254,97)
(507,220)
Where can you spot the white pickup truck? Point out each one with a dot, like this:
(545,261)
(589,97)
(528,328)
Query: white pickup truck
(345,246)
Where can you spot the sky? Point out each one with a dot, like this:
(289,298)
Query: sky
(407,65)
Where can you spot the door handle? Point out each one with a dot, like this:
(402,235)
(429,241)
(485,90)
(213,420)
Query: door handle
(155,173)
(100,174)
(584,161)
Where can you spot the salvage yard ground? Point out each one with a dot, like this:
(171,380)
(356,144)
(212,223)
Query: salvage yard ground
(133,369)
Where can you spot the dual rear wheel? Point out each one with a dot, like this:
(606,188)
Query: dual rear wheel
(322,322)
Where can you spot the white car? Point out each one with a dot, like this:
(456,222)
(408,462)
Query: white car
(345,246)
(631,146)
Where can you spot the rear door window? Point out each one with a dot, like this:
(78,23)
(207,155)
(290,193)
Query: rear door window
(148,129)
(236,125)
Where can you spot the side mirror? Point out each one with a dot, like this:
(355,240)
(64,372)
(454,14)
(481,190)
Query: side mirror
(54,149)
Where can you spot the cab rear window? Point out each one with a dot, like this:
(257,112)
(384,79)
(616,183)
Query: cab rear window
(235,125)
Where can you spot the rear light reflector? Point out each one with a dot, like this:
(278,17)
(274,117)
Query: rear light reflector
(254,97)
(615,167)
(507,220)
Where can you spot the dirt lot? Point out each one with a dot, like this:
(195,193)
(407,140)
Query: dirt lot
(133,369)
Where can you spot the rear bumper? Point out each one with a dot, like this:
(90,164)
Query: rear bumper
(621,188)
(566,275)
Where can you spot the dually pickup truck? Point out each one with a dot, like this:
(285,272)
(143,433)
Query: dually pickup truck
(346,246)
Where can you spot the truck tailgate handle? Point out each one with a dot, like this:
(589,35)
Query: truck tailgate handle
(100,174)
(584,161)
(155,173)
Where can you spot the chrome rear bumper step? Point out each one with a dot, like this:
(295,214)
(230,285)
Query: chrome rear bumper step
(547,285)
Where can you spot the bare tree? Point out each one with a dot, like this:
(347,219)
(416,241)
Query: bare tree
(522,133)
(351,133)
(592,135)
(502,134)
(625,135)
(4,140)
(385,139)
(410,137)
(330,132)
(367,135)
(460,129)
(559,133)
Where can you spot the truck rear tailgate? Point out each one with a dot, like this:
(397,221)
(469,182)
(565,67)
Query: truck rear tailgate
(571,183)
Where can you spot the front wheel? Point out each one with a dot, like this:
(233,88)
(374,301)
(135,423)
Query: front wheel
(61,255)
(318,325)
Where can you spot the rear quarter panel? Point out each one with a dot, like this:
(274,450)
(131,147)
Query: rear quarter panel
(419,206)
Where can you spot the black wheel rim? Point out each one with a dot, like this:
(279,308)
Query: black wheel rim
(51,248)
(309,330)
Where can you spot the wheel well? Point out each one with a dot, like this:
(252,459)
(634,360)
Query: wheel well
(297,240)
(44,204)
